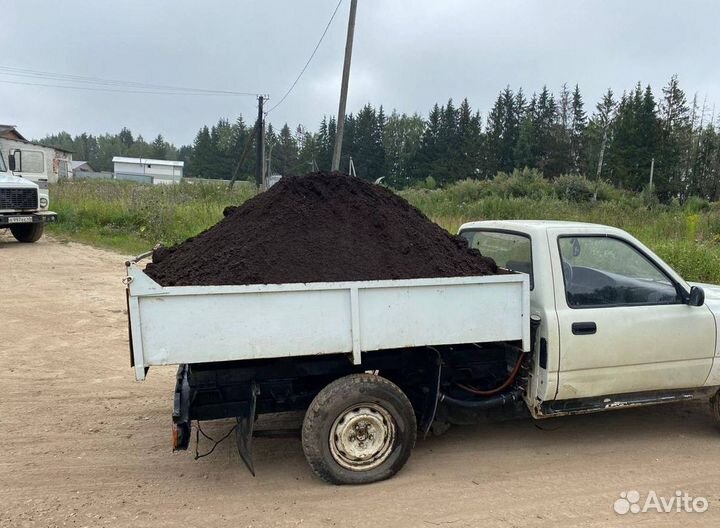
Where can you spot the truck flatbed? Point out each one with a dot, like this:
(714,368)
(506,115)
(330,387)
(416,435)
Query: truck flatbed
(205,324)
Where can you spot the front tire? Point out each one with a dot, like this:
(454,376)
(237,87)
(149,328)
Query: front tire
(359,429)
(27,232)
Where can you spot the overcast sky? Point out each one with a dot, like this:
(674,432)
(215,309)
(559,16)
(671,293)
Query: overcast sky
(407,55)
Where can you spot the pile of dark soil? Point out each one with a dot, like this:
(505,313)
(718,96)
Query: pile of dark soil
(317,228)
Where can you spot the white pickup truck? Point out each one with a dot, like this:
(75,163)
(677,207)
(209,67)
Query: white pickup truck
(590,320)
(23,205)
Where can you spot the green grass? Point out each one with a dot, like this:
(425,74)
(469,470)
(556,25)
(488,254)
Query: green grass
(687,239)
(132,218)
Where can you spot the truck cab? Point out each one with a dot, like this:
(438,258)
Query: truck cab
(619,327)
(24,204)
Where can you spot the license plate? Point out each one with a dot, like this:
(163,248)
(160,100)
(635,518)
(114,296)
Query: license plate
(20,219)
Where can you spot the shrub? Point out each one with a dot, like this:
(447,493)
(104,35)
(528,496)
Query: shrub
(695,204)
(430,183)
(649,197)
(525,183)
(574,188)
(607,192)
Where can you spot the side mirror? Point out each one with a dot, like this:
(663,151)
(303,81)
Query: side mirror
(697,296)
(11,162)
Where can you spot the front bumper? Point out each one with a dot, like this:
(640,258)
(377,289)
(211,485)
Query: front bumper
(42,217)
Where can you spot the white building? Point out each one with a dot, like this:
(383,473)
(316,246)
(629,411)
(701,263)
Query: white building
(36,162)
(145,170)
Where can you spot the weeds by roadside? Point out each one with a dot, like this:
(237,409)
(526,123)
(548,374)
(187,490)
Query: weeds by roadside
(132,217)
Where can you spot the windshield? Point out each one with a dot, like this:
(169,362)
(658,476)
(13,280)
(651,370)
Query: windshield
(3,168)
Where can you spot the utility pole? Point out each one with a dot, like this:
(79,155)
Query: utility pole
(337,151)
(268,169)
(262,153)
(652,169)
(600,161)
(259,144)
(245,150)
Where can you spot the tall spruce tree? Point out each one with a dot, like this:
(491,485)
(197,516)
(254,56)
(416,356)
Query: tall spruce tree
(577,132)
(674,141)
(503,130)
(286,153)
(469,142)
(429,151)
(367,149)
(159,148)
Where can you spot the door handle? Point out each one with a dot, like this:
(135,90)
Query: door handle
(587,328)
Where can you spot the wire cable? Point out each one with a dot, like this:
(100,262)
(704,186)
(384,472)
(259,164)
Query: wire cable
(98,81)
(216,442)
(505,385)
(117,90)
(24,72)
(309,60)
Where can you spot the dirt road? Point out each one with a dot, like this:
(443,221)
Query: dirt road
(83,444)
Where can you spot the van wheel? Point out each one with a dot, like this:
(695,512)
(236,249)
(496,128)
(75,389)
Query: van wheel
(715,408)
(27,232)
(359,429)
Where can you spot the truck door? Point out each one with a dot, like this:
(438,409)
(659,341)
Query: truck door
(30,164)
(623,322)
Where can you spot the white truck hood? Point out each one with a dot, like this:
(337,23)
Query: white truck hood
(8,180)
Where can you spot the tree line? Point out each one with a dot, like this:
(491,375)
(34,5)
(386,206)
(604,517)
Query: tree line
(619,141)
(99,150)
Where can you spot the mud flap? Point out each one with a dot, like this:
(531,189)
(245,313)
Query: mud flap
(181,410)
(244,429)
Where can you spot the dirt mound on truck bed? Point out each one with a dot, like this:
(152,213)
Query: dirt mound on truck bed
(317,228)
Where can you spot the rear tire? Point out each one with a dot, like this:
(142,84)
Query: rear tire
(715,408)
(27,232)
(359,429)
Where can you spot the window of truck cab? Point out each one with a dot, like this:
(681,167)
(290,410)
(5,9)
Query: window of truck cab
(601,271)
(3,167)
(509,249)
(31,161)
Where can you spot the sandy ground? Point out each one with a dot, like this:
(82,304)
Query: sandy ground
(83,444)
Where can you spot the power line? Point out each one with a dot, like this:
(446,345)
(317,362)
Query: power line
(98,84)
(120,90)
(98,81)
(309,60)
(22,72)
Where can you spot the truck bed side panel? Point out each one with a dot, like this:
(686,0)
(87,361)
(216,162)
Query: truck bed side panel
(202,324)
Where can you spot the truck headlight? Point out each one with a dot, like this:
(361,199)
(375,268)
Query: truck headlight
(43,202)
